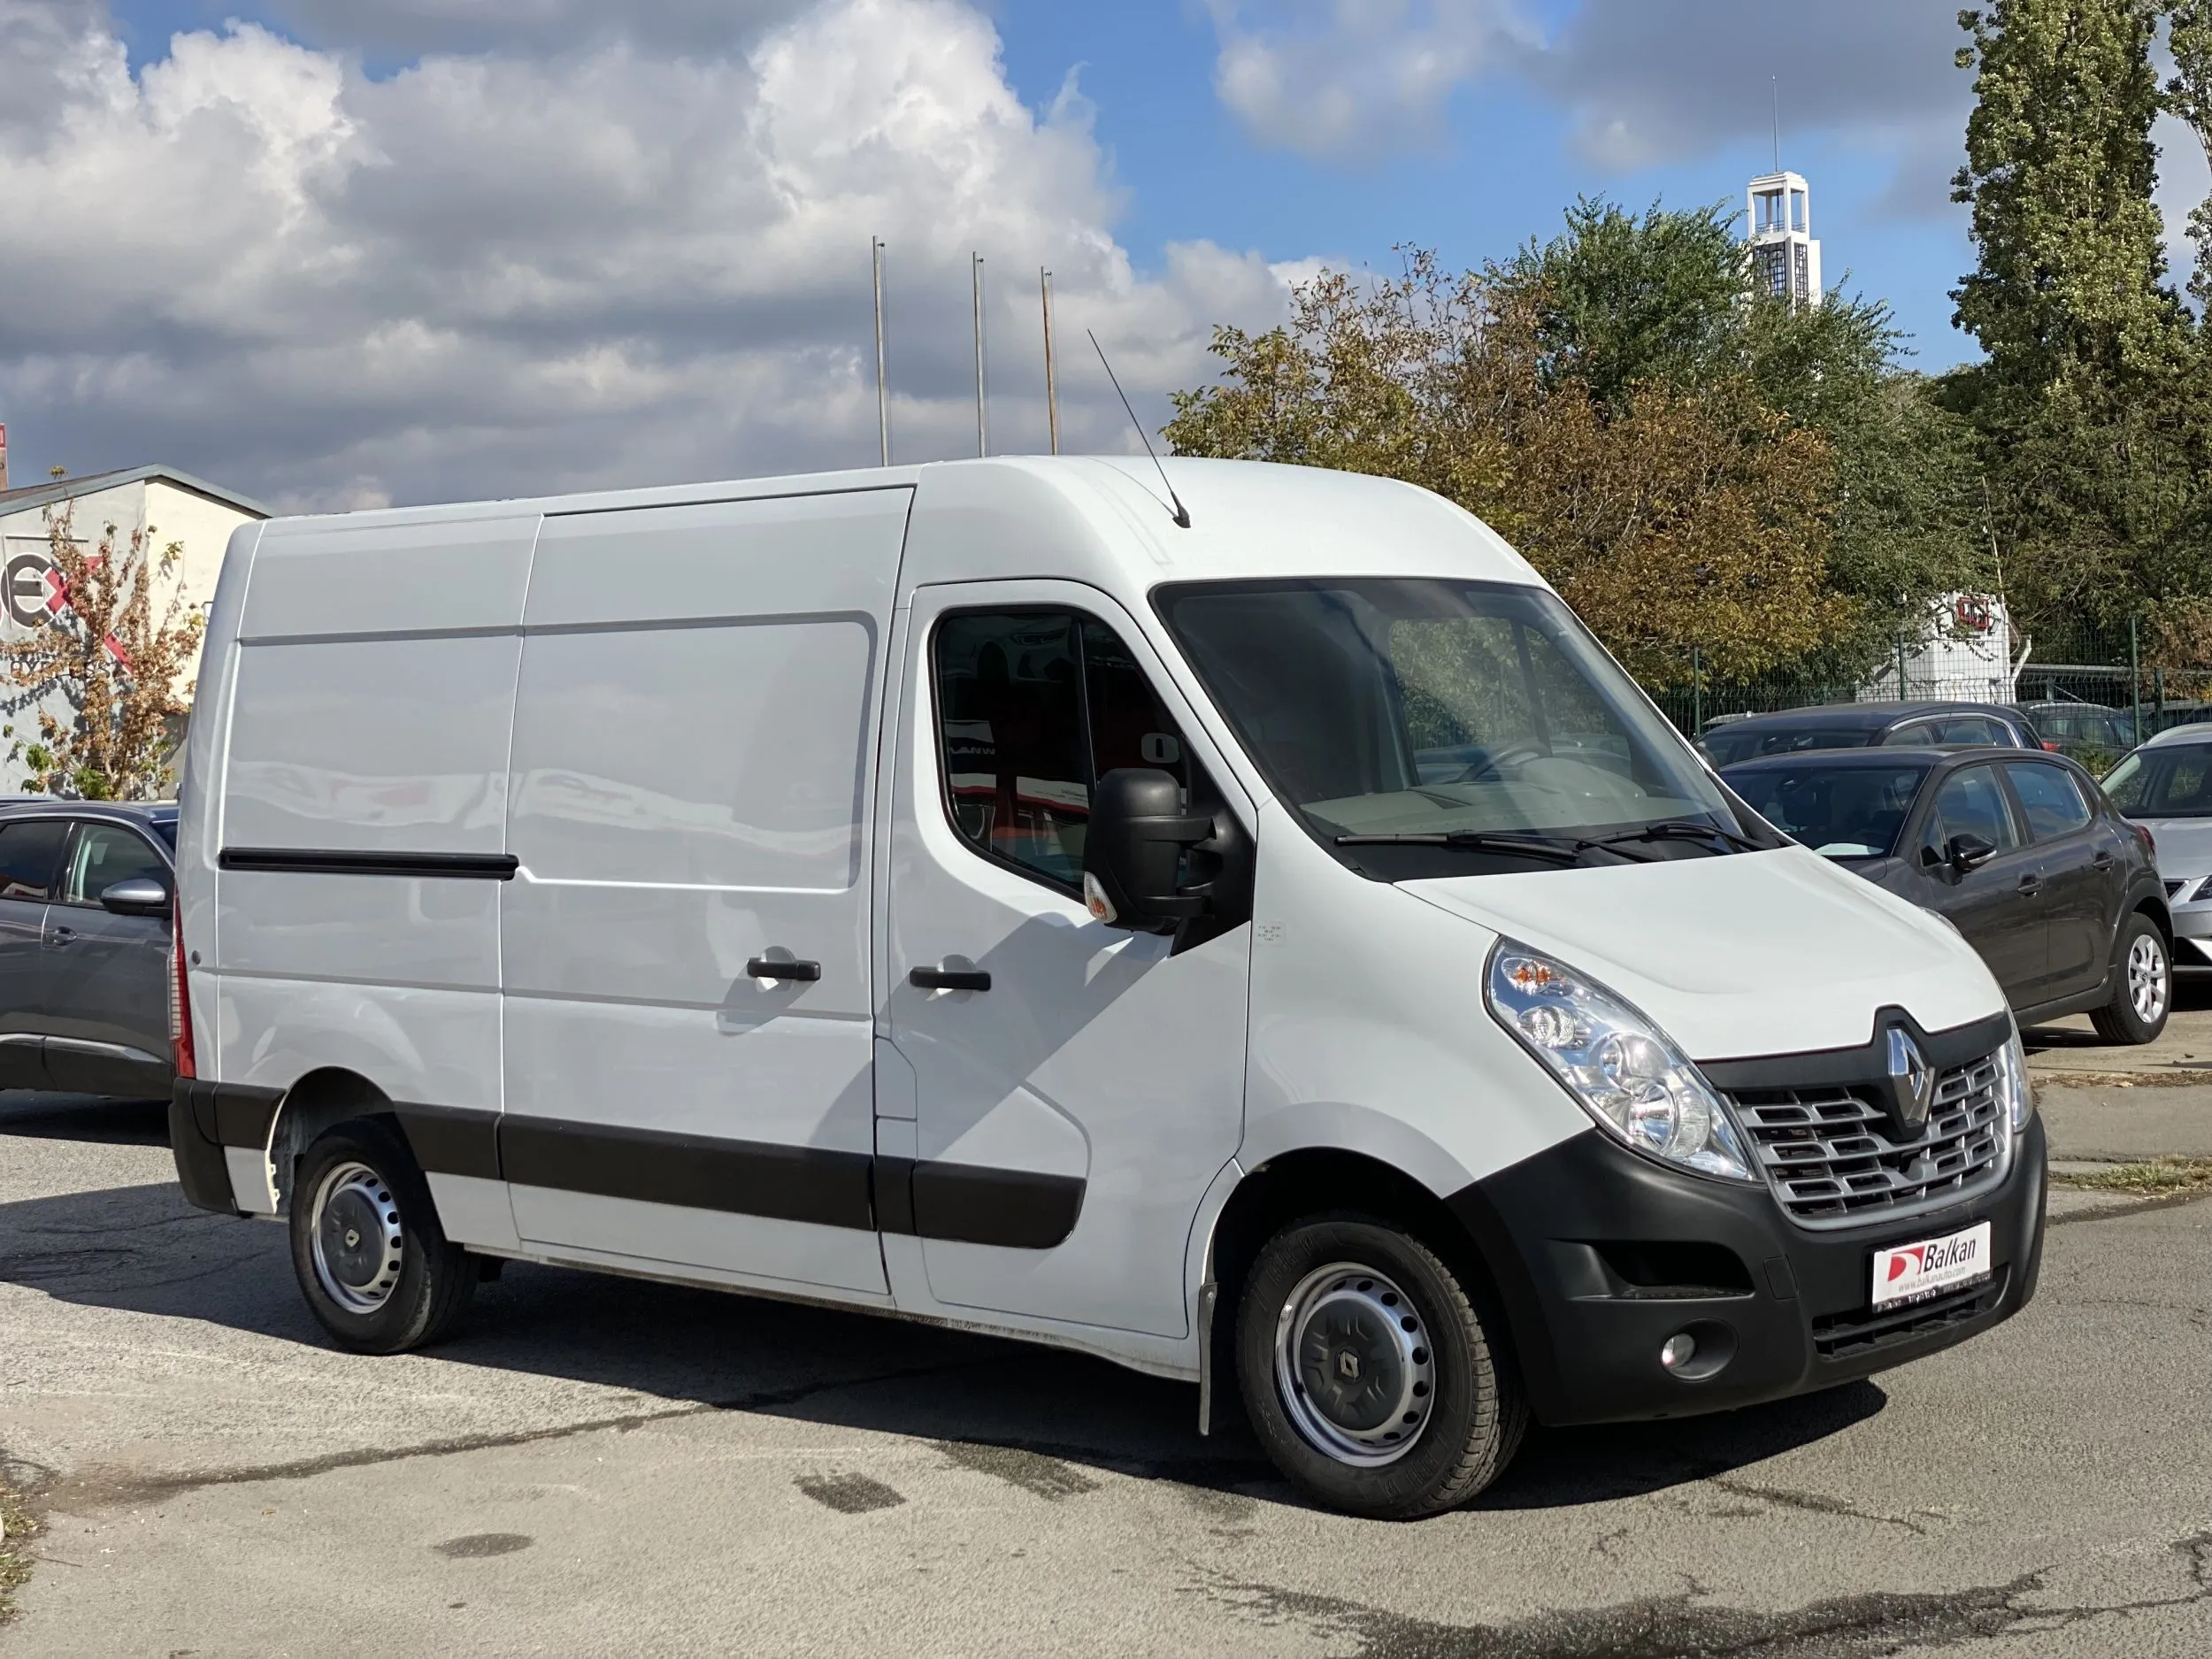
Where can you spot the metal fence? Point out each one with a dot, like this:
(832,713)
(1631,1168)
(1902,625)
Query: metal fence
(2123,673)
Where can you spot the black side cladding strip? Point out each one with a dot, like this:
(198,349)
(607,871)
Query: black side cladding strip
(333,861)
(452,1139)
(968,1204)
(745,1177)
(232,1114)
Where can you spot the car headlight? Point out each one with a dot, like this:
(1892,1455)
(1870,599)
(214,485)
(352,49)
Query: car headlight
(2012,1083)
(1627,1073)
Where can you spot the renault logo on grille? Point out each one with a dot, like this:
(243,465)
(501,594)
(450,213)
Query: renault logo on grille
(1911,1084)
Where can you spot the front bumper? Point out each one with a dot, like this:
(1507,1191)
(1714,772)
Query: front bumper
(1601,1255)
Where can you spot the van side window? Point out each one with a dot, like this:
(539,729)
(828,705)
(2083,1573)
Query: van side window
(28,853)
(1033,706)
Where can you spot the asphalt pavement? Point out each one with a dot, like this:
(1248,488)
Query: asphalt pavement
(605,1466)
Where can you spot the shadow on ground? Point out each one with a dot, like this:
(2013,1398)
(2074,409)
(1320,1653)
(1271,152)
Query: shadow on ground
(142,1249)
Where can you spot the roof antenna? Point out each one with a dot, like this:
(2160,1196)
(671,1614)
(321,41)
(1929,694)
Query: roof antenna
(1182,513)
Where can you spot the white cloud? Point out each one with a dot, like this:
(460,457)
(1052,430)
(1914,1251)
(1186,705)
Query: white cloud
(1351,80)
(637,259)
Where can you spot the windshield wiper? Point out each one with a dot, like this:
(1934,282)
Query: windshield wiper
(1488,841)
(1682,830)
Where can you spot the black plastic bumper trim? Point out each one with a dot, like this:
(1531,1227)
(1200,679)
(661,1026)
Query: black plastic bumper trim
(202,1169)
(333,862)
(452,1139)
(1589,1353)
(1867,1063)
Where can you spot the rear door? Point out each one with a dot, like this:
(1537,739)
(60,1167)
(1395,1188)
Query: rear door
(107,1010)
(30,855)
(2082,879)
(689,1011)
(1998,905)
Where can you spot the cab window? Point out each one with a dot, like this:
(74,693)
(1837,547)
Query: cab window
(2048,799)
(1033,707)
(104,854)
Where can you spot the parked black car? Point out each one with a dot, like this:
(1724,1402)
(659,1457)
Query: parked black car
(85,897)
(1864,725)
(2090,732)
(2021,852)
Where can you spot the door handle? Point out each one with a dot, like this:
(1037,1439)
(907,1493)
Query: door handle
(783,968)
(949,979)
(2103,860)
(2030,886)
(61,936)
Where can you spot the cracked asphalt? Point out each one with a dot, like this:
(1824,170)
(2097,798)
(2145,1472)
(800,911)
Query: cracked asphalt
(601,1466)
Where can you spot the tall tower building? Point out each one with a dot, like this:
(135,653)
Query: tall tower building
(1785,256)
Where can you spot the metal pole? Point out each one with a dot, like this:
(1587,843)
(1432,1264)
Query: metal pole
(2135,676)
(1052,388)
(1903,696)
(883,389)
(1697,692)
(982,419)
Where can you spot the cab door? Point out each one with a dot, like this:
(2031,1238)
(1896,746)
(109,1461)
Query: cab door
(1062,1093)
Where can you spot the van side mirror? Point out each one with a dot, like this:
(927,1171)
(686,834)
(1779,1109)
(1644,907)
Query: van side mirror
(140,895)
(1133,851)
(1967,852)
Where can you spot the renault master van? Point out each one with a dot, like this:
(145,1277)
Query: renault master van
(1280,950)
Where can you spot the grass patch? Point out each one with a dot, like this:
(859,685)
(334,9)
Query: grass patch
(2159,1177)
(17,1529)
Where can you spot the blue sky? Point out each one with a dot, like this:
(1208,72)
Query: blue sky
(343,252)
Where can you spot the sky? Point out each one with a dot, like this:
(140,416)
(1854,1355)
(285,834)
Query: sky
(346,253)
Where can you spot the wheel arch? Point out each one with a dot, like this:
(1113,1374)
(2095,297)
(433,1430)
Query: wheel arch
(318,1101)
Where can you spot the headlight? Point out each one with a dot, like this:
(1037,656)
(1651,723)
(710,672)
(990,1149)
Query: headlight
(1626,1073)
(2012,1082)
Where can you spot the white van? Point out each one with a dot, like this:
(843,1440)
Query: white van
(1285,944)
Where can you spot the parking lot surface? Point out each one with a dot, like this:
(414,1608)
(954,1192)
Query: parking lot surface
(611,1466)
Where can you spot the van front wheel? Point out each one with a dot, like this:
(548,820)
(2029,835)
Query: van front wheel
(1368,1374)
(378,1272)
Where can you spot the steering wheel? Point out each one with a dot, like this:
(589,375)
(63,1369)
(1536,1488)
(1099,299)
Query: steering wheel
(1511,754)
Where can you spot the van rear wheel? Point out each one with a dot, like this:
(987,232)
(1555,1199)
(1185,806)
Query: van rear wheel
(1368,1371)
(378,1272)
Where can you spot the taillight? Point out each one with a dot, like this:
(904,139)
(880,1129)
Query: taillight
(179,1002)
(2050,747)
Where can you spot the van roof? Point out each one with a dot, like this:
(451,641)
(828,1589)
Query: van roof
(1247,518)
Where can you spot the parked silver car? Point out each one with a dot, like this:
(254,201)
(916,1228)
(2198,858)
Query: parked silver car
(85,899)
(2166,787)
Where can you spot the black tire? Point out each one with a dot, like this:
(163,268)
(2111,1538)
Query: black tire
(394,1281)
(1470,1410)
(2124,1020)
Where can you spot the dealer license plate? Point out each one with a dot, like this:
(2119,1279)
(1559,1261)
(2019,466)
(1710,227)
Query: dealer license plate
(1913,1272)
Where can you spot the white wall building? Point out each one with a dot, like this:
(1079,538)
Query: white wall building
(176,507)
(1785,256)
(1966,655)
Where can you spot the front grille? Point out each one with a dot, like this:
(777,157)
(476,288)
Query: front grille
(1835,1156)
(1839,1336)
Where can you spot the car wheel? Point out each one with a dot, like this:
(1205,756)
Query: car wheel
(377,1269)
(1368,1374)
(2144,992)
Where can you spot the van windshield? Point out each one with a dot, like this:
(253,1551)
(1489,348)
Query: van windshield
(1458,722)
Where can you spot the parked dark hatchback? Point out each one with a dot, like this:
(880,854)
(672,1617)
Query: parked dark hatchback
(1867,724)
(2021,852)
(85,948)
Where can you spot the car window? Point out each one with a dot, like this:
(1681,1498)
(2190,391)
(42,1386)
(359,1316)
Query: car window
(2058,725)
(1841,812)
(1033,707)
(29,849)
(1919,734)
(1728,746)
(1974,729)
(107,853)
(1971,802)
(2047,796)
(2165,782)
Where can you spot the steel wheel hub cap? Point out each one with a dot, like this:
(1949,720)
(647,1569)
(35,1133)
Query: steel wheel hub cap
(359,1247)
(1353,1366)
(2147,979)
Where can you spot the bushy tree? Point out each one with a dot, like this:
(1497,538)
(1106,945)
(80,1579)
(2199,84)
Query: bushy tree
(116,652)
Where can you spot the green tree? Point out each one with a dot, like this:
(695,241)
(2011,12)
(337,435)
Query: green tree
(2189,95)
